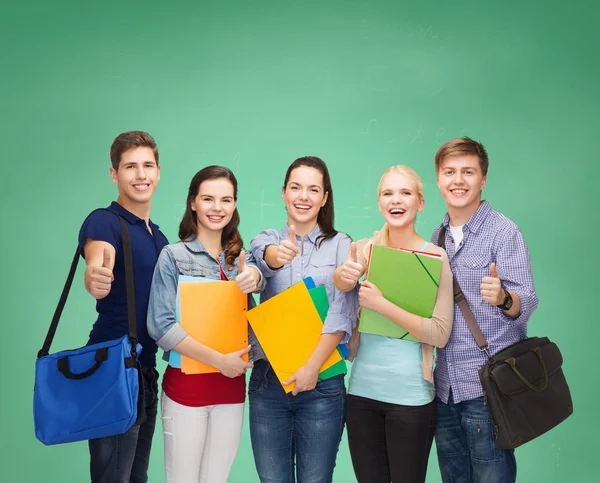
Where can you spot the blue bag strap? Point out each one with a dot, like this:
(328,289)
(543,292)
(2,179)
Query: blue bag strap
(131,319)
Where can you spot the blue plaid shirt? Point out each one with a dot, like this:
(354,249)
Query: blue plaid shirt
(489,237)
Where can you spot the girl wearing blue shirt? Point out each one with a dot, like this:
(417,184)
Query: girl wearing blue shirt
(296,437)
(390,406)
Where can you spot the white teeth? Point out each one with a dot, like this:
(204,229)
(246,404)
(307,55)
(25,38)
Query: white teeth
(397,212)
(302,207)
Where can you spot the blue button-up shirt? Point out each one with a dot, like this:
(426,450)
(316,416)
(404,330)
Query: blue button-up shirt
(316,260)
(489,237)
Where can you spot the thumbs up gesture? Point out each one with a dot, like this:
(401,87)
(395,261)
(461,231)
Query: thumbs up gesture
(245,279)
(98,279)
(288,249)
(491,288)
(351,270)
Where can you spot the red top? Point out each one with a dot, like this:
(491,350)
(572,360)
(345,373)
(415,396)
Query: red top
(203,389)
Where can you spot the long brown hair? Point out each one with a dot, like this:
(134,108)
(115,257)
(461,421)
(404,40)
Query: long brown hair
(326,216)
(231,240)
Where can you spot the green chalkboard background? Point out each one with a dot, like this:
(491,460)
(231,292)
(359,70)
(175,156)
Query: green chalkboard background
(254,84)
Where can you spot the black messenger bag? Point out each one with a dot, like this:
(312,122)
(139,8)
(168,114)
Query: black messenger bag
(523,385)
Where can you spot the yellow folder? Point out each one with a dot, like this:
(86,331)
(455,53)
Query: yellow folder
(288,328)
(213,313)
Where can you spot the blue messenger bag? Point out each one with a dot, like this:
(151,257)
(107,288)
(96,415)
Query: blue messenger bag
(96,390)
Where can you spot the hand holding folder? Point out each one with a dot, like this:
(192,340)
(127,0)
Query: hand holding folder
(288,327)
(213,313)
(408,279)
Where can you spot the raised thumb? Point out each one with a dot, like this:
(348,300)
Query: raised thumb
(242,261)
(106,258)
(493,272)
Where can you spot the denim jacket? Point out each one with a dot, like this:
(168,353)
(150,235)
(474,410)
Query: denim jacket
(185,258)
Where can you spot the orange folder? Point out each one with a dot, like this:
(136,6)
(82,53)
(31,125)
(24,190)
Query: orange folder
(288,328)
(213,313)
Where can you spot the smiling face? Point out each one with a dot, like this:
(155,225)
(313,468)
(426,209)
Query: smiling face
(304,196)
(399,200)
(214,205)
(137,176)
(461,182)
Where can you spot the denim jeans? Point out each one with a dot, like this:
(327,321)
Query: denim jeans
(124,458)
(295,438)
(466,447)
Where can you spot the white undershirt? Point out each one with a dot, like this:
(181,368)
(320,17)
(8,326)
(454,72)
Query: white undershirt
(457,235)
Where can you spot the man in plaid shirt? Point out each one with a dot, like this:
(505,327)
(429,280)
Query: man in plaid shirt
(490,261)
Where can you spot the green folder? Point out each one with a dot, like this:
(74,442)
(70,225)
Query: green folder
(407,279)
(319,298)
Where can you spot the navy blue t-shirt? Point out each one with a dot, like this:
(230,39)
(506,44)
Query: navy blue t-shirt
(103,225)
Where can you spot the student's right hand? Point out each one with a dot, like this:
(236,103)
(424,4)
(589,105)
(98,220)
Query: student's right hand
(98,280)
(351,270)
(232,364)
(287,249)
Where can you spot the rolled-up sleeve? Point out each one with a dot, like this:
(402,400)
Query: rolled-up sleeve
(343,309)
(162,326)
(514,269)
(258,246)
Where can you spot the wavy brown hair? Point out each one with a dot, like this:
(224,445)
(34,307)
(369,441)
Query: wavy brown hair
(326,216)
(231,240)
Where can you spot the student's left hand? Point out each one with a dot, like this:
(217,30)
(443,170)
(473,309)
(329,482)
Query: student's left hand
(305,379)
(491,288)
(245,280)
(369,296)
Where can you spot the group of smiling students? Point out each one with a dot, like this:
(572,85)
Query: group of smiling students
(389,409)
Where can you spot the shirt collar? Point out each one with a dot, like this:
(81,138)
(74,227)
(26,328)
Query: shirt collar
(195,245)
(476,219)
(312,236)
(129,216)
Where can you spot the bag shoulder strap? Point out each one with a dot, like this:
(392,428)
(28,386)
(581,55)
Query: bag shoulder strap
(130,288)
(461,301)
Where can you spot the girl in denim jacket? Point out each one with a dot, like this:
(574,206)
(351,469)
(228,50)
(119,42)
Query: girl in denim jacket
(202,413)
(302,429)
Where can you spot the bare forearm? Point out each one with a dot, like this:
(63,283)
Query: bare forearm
(271,257)
(190,347)
(327,344)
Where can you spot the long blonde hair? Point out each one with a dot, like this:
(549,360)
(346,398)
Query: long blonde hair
(382,237)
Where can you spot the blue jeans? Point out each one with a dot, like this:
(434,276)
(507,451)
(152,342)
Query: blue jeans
(295,438)
(124,458)
(466,447)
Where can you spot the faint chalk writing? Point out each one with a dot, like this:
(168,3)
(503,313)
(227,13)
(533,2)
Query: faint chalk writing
(368,131)
(416,136)
(262,205)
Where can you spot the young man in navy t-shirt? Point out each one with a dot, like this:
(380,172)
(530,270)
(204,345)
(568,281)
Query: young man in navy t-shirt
(135,170)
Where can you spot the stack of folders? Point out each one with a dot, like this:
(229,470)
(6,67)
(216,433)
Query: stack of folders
(408,279)
(288,327)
